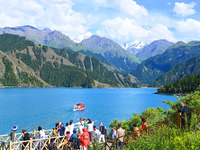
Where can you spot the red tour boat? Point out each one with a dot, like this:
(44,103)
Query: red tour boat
(79,106)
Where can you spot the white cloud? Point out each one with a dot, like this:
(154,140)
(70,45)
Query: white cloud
(184,9)
(54,14)
(189,27)
(131,8)
(128,30)
(100,1)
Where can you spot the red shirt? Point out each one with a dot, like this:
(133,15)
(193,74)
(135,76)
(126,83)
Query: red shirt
(144,123)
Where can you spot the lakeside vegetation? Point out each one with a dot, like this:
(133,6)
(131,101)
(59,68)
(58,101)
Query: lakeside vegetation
(166,136)
(185,85)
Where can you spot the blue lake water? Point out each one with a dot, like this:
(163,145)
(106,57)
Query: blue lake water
(32,107)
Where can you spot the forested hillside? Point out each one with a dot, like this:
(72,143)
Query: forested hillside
(184,69)
(185,85)
(150,69)
(103,49)
(65,69)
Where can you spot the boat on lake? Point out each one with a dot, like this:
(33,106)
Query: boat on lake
(79,106)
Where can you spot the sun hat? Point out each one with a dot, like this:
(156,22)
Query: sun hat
(14,128)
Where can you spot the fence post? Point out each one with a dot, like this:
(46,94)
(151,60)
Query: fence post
(30,144)
(10,145)
(179,120)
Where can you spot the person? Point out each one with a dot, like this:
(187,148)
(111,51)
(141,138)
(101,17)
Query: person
(25,137)
(75,141)
(85,139)
(62,129)
(120,135)
(102,130)
(13,134)
(136,131)
(85,123)
(80,125)
(114,133)
(41,133)
(71,127)
(90,128)
(56,130)
(144,123)
(73,136)
(96,133)
(183,110)
(67,129)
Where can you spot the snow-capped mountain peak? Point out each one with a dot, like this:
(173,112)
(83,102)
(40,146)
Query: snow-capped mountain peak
(134,45)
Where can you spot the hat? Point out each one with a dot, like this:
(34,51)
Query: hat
(14,128)
(23,130)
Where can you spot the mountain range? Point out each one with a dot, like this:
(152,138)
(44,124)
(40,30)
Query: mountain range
(189,67)
(24,63)
(143,50)
(153,64)
(104,49)
(152,68)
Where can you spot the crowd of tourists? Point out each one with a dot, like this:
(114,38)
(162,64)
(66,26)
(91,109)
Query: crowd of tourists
(78,135)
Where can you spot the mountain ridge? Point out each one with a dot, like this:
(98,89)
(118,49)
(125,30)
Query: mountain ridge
(64,68)
(56,39)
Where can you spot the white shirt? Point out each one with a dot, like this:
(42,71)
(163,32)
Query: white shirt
(67,129)
(96,132)
(71,128)
(90,127)
(42,133)
(80,126)
(114,134)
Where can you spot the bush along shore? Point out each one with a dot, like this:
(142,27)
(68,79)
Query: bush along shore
(181,86)
(164,129)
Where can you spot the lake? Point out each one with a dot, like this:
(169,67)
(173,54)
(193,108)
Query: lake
(29,108)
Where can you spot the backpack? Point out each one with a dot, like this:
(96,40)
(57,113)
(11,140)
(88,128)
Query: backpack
(77,143)
(26,137)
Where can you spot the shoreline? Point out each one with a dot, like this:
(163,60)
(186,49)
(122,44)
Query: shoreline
(178,94)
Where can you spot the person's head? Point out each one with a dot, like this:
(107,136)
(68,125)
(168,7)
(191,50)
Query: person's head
(71,122)
(119,125)
(89,121)
(95,128)
(39,128)
(182,104)
(57,124)
(101,124)
(74,131)
(134,125)
(67,124)
(81,119)
(143,120)
(14,128)
(24,131)
(113,129)
(62,124)
(84,119)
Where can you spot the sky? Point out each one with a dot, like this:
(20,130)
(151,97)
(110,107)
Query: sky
(120,20)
